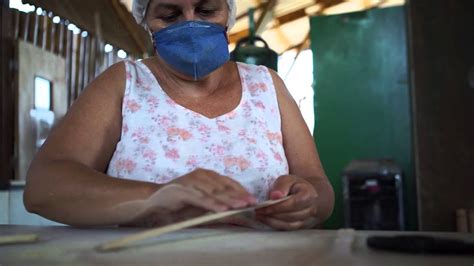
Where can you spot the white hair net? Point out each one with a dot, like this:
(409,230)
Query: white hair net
(139,8)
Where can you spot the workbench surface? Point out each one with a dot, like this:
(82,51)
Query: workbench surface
(225,246)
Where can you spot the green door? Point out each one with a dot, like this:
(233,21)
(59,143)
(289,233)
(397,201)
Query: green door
(362,96)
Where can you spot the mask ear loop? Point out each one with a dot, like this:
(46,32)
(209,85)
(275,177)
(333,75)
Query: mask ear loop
(151,37)
(227,37)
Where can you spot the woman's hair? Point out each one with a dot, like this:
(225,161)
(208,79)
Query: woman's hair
(139,8)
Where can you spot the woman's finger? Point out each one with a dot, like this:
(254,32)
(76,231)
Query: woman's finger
(175,197)
(303,199)
(204,201)
(241,192)
(227,185)
(227,197)
(224,189)
(188,213)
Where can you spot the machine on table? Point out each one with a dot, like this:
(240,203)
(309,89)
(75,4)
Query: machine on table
(373,195)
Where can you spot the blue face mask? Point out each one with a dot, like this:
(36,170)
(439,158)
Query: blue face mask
(193,48)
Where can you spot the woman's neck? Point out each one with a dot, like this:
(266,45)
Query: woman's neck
(176,84)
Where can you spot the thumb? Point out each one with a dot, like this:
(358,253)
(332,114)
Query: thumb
(282,187)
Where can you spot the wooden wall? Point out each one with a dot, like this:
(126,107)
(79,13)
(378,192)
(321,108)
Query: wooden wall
(84,55)
(442,44)
(35,62)
(6,96)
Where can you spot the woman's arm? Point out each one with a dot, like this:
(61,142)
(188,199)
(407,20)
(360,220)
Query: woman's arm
(66,181)
(313,199)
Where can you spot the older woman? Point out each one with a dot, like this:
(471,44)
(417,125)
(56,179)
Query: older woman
(180,134)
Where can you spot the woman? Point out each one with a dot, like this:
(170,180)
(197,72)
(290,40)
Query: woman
(180,134)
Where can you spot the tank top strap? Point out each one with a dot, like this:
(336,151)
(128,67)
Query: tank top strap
(259,89)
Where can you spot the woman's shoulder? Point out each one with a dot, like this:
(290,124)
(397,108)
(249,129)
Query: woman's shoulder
(115,72)
(251,67)
(112,80)
(269,75)
(121,73)
(255,72)
(259,71)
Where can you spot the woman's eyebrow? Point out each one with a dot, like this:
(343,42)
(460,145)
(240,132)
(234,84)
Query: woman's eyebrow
(174,7)
(166,6)
(203,2)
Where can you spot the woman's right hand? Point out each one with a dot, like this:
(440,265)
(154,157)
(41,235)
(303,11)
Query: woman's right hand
(192,195)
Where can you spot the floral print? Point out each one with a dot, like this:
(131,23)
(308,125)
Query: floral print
(162,140)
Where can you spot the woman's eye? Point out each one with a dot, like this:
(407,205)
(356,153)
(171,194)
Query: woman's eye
(170,18)
(205,12)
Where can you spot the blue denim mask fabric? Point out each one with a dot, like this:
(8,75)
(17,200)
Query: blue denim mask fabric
(193,48)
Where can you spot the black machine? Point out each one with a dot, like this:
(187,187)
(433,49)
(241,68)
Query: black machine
(247,50)
(373,195)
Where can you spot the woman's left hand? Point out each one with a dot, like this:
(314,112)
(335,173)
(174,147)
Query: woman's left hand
(298,212)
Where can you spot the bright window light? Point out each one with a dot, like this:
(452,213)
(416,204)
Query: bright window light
(122,54)
(298,77)
(84,34)
(17,4)
(56,20)
(42,93)
(73,28)
(108,48)
(39,11)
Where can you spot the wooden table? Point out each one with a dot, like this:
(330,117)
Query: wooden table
(226,246)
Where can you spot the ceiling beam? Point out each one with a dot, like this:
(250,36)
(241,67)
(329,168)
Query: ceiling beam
(265,17)
(124,18)
(287,18)
(280,20)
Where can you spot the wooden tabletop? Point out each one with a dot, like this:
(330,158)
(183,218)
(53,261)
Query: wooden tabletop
(224,246)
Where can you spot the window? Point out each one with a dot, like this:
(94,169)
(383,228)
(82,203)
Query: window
(298,76)
(42,115)
(42,94)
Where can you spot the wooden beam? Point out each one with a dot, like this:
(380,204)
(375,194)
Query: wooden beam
(124,17)
(245,14)
(281,20)
(6,95)
(297,14)
(287,18)
(115,32)
(265,17)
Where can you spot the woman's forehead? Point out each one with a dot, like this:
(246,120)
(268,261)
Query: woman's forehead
(182,3)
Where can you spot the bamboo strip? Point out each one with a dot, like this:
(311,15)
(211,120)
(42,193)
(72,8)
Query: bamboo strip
(129,240)
(18,239)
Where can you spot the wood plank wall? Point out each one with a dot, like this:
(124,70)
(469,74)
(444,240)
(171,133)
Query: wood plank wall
(85,59)
(442,52)
(6,96)
(84,53)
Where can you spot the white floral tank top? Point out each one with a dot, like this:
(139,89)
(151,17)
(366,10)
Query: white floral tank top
(162,140)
